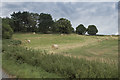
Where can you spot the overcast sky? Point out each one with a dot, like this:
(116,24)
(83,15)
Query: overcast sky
(102,14)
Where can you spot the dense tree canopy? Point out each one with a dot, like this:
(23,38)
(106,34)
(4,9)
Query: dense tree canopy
(92,30)
(16,23)
(34,22)
(64,26)
(55,28)
(45,23)
(81,29)
(24,21)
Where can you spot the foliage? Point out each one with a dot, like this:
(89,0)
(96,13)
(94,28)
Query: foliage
(45,22)
(92,30)
(6,29)
(64,26)
(31,22)
(15,42)
(9,42)
(81,29)
(55,28)
(24,21)
(72,29)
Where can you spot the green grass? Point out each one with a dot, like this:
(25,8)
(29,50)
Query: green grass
(104,49)
(52,65)
(45,64)
(39,41)
(73,44)
(21,70)
(25,70)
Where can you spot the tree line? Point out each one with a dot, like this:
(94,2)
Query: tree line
(41,23)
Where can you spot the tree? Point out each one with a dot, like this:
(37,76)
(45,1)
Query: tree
(34,22)
(6,29)
(17,21)
(92,30)
(64,26)
(55,28)
(45,22)
(72,29)
(24,21)
(80,29)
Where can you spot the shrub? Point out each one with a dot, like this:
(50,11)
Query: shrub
(80,29)
(64,26)
(92,30)
(6,30)
(8,44)
(15,42)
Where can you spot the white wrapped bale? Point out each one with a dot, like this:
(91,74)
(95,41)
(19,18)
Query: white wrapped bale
(28,41)
(33,32)
(55,46)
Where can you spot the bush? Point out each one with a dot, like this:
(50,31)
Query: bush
(92,30)
(64,26)
(6,30)
(81,29)
(15,42)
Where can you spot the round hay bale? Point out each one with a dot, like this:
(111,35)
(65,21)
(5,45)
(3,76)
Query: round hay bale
(28,41)
(33,32)
(61,34)
(54,46)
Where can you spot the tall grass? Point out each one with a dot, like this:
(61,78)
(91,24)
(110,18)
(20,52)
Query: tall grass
(66,66)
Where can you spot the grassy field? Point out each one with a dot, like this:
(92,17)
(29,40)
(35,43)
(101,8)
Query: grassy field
(77,56)
(91,47)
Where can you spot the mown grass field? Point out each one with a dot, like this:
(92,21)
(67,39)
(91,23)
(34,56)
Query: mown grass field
(77,56)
